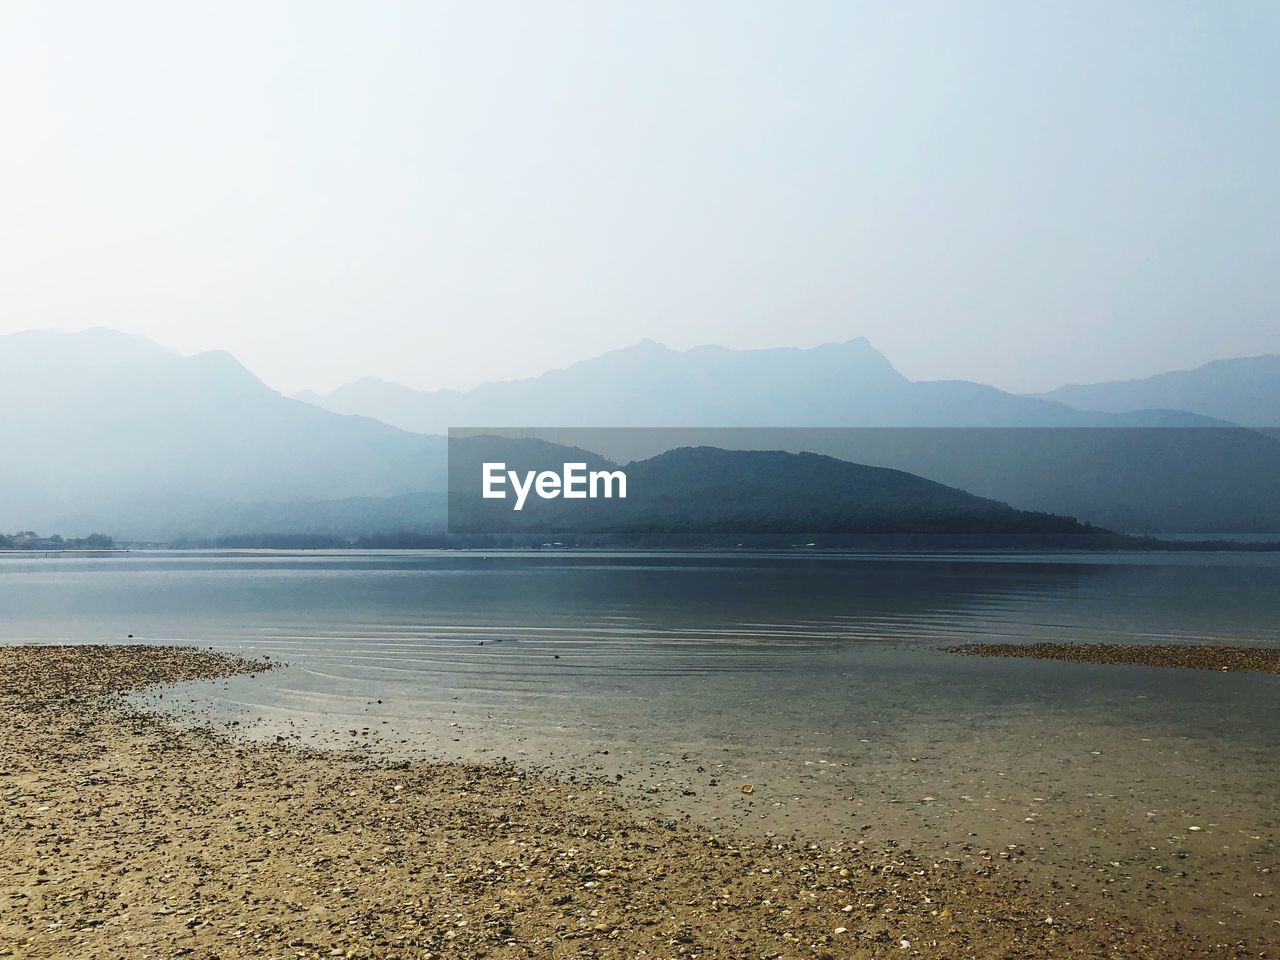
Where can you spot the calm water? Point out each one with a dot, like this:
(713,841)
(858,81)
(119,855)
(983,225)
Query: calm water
(817,679)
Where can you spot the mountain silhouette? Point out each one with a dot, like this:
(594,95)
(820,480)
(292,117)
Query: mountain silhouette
(114,433)
(107,431)
(709,490)
(1244,390)
(842,384)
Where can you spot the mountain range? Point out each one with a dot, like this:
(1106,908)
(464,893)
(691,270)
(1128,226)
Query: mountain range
(1244,390)
(113,433)
(835,385)
(108,432)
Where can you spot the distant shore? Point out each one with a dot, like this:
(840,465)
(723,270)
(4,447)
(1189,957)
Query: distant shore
(693,543)
(124,834)
(32,551)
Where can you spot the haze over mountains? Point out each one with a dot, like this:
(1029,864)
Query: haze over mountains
(1244,390)
(103,431)
(107,432)
(844,384)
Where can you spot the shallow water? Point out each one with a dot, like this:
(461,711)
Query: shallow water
(817,679)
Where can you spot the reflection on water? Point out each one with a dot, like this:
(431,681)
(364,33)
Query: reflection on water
(542,637)
(816,678)
(520,632)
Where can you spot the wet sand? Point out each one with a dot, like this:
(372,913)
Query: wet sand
(1074,776)
(1182,655)
(125,835)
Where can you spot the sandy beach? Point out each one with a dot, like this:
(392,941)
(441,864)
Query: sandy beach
(122,834)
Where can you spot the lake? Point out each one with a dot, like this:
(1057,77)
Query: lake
(817,679)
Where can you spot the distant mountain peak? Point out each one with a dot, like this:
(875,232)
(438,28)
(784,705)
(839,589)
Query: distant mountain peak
(127,436)
(844,384)
(90,348)
(1243,390)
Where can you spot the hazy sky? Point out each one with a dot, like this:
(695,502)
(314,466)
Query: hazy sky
(442,193)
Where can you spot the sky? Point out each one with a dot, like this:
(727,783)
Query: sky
(442,193)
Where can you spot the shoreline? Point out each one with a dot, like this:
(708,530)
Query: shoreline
(1184,656)
(125,834)
(693,544)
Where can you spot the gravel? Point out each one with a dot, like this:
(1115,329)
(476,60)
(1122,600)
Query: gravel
(122,835)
